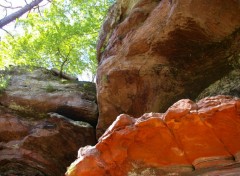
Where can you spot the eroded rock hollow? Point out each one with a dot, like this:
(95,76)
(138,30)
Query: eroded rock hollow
(153,53)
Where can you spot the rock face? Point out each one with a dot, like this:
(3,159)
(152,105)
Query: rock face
(189,139)
(153,53)
(39,147)
(37,92)
(228,85)
(36,139)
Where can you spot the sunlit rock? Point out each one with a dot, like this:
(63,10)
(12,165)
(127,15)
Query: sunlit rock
(188,139)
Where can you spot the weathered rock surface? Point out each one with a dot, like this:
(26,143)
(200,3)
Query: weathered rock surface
(39,147)
(36,92)
(37,137)
(228,85)
(157,52)
(189,139)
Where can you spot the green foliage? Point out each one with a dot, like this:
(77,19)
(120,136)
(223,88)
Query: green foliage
(63,36)
(4,82)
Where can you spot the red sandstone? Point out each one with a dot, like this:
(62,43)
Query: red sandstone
(188,138)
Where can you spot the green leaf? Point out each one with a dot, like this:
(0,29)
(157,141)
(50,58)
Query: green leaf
(66,32)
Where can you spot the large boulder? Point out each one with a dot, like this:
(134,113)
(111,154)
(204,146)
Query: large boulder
(153,53)
(40,147)
(37,135)
(34,92)
(188,139)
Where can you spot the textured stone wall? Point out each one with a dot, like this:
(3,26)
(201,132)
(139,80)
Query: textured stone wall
(157,52)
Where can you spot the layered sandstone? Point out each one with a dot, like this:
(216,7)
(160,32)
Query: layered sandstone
(38,91)
(37,135)
(153,53)
(33,147)
(188,139)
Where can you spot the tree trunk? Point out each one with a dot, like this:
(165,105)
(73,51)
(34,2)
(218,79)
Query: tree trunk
(19,13)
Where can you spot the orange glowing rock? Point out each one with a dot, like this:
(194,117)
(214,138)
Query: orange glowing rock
(190,138)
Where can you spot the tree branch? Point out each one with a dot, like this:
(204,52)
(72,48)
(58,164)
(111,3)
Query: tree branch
(26,2)
(19,13)
(66,58)
(64,75)
(5,13)
(44,4)
(7,32)
(10,7)
(8,2)
(38,8)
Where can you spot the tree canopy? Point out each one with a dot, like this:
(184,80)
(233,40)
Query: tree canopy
(62,36)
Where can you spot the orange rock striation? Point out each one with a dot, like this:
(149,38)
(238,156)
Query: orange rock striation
(188,139)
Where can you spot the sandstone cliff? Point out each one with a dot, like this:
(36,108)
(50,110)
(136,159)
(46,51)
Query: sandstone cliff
(37,135)
(151,53)
(157,52)
(38,91)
